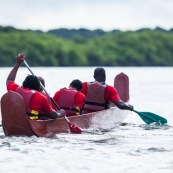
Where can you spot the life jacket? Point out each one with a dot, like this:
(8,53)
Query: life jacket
(27,96)
(66,101)
(95,97)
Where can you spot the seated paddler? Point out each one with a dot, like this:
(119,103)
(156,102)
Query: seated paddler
(99,94)
(36,104)
(41,79)
(70,99)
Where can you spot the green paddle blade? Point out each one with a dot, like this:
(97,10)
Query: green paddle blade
(149,117)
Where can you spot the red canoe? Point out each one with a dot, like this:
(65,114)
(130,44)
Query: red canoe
(16,123)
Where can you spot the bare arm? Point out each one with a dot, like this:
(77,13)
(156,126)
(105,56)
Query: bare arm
(121,105)
(12,74)
(61,113)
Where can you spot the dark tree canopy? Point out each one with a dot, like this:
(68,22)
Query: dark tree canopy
(65,47)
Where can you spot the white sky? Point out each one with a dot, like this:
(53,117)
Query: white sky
(90,14)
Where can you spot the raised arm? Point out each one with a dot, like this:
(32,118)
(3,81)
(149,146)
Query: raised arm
(12,74)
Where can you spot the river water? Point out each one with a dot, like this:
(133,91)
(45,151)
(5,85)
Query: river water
(132,148)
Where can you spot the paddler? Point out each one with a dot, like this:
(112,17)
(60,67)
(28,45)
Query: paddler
(36,104)
(99,94)
(70,99)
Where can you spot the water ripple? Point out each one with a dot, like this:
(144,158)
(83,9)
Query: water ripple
(159,149)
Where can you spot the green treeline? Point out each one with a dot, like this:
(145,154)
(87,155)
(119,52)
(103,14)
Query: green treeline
(83,47)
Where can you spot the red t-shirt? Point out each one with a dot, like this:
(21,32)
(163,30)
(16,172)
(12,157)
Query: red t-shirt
(111,93)
(78,101)
(38,103)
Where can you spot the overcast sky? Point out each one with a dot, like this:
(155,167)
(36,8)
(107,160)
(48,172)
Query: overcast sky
(90,14)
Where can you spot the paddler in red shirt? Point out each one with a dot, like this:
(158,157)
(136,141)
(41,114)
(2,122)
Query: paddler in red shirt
(99,94)
(42,90)
(36,104)
(70,99)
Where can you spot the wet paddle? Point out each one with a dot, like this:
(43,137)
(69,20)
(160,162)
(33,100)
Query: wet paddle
(149,117)
(73,128)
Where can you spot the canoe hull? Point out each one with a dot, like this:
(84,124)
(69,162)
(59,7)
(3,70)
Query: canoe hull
(16,123)
(101,119)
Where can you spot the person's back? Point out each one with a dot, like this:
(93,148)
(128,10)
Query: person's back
(70,99)
(36,104)
(99,98)
(95,97)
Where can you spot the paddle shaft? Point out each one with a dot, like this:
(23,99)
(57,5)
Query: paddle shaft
(46,91)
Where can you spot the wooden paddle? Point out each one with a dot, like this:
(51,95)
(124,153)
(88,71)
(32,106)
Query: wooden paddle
(149,117)
(73,128)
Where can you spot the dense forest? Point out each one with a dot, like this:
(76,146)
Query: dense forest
(82,47)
